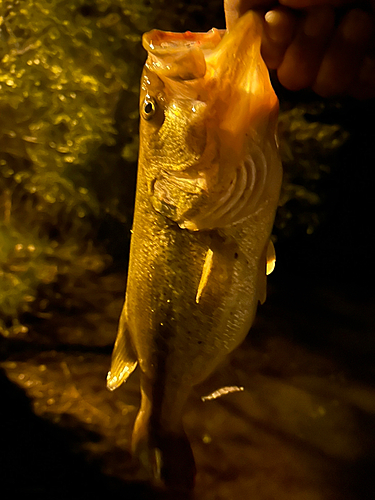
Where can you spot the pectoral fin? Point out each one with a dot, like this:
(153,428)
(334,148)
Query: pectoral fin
(217,268)
(207,268)
(124,360)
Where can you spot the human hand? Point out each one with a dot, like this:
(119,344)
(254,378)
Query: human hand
(326,45)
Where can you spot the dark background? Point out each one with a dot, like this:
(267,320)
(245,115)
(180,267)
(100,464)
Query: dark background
(320,307)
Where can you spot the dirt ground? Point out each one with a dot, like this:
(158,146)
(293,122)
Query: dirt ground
(303,428)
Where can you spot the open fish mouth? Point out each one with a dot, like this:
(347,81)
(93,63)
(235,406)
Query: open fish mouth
(229,63)
(180,55)
(213,149)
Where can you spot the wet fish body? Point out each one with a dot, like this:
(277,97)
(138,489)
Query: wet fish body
(207,190)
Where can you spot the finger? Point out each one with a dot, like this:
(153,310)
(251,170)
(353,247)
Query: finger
(343,59)
(303,57)
(231,12)
(236,8)
(364,87)
(279,28)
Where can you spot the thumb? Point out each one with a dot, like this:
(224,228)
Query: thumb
(231,12)
(236,8)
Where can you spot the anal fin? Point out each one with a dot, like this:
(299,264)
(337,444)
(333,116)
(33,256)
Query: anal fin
(124,360)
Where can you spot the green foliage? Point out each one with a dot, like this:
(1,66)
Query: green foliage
(63,73)
(308,147)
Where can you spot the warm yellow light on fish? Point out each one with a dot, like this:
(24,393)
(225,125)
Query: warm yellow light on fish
(114,381)
(271,258)
(222,392)
(270,266)
(207,267)
(252,98)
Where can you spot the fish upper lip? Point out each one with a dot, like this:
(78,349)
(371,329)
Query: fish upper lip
(157,41)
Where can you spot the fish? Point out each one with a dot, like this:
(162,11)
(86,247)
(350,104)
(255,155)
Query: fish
(209,177)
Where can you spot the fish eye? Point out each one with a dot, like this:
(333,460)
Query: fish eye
(148,108)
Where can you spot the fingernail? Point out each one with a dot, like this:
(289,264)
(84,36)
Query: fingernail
(274,20)
(280,25)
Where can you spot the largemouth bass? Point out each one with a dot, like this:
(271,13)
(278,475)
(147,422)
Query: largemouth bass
(208,185)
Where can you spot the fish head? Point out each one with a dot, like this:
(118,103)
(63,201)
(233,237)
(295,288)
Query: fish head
(208,119)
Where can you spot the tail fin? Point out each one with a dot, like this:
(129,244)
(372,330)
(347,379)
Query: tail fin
(163,451)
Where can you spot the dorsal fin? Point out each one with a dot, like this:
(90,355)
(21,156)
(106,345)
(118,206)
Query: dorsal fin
(270,258)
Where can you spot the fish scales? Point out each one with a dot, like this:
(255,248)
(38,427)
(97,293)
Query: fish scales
(208,184)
